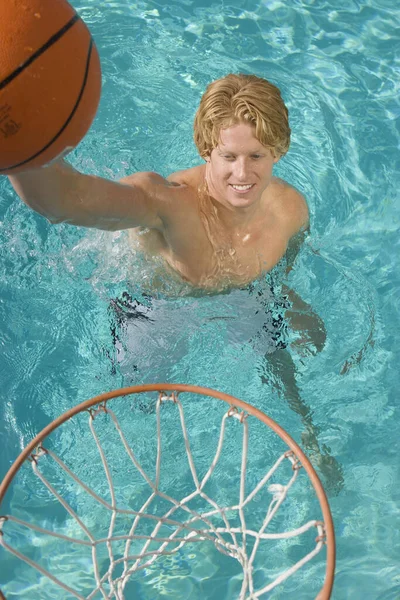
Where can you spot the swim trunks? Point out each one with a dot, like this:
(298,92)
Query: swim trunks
(145,328)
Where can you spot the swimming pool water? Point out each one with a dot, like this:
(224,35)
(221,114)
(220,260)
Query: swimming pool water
(336,66)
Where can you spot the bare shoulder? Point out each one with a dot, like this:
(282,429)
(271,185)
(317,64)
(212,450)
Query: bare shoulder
(177,184)
(145,179)
(172,197)
(190,177)
(289,205)
(161,190)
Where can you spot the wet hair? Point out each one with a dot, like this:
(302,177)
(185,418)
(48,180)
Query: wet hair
(238,99)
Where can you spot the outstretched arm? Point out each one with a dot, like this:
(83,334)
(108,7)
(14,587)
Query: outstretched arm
(62,194)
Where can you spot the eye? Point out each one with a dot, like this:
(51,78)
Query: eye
(229,157)
(256,156)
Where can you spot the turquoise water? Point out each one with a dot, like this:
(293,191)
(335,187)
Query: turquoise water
(335,64)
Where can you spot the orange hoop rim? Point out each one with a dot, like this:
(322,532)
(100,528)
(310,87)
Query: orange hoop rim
(325,592)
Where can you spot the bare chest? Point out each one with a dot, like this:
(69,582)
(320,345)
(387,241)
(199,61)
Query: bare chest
(255,253)
(215,258)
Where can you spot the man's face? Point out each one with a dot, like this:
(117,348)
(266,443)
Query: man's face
(239,168)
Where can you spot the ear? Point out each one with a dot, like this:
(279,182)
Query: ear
(276,159)
(207,154)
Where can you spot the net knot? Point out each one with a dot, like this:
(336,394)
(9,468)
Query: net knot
(240,415)
(320,525)
(37,453)
(278,490)
(101,407)
(172,397)
(296,464)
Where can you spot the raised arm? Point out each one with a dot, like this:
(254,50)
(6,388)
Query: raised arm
(64,195)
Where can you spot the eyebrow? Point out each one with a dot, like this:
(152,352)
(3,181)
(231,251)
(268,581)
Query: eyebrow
(259,151)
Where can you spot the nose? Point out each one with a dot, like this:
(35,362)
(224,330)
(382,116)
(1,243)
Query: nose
(241,170)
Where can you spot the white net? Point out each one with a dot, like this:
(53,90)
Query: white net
(162,525)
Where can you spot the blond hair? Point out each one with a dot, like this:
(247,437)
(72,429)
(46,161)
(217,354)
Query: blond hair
(238,99)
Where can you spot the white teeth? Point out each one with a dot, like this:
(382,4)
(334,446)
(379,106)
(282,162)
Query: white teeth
(241,187)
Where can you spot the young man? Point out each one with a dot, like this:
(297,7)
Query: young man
(218,225)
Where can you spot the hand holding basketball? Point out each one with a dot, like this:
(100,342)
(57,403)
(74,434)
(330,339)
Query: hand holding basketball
(50,82)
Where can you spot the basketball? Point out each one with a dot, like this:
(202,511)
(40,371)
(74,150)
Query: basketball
(50,82)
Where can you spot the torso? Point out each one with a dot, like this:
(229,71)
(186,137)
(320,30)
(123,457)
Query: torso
(209,256)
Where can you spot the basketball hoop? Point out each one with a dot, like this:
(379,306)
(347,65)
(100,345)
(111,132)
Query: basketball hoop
(161,525)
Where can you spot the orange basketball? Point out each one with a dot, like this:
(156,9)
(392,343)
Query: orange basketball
(50,82)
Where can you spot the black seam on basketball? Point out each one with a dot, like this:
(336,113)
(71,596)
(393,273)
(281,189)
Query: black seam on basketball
(66,122)
(54,38)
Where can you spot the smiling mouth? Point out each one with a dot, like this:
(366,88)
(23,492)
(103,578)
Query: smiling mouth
(241,188)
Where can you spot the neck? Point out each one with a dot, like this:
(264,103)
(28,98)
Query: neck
(236,220)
